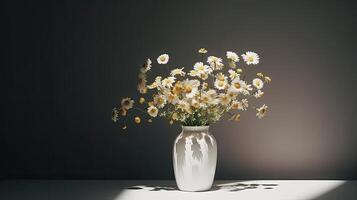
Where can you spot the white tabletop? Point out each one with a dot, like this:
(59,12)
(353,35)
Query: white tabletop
(166,190)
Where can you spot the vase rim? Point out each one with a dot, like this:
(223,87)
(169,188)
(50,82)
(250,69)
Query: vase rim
(194,128)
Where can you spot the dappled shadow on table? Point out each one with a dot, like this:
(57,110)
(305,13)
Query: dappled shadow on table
(229,187)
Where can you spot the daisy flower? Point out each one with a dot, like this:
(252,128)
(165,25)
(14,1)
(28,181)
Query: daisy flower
(153,111)
(178,88)
(262,111)
(201,68)
(190,87)
(171,98)
(205,98)
(202,51)
(243,104)
(159,100)
(238,85)
(212,93)
(232,56)
(221,85)
(142,88)
(247,88)
(233,74)
(212,97)
(163,59)
(178,71)
(250,58)
(127,103)
(184,106)
(224,99)
(194,73)
(167,82)
(215,62)
(232,93)
(260,75)
(258,83)
(258,94)
(194,103)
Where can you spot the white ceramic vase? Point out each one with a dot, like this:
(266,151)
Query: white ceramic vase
(194,158)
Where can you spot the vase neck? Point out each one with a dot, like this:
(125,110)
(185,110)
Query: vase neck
(195,128)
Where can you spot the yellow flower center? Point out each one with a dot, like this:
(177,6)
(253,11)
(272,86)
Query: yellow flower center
(188,89)
(162,58)
(160,100)
(235,106)
(237,85)
(137,120)
(262,111)
(170,97)
(220,83)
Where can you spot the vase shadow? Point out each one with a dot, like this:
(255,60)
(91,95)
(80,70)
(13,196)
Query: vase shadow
(227,186)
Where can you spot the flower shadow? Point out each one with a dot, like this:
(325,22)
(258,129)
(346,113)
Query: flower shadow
(228,187)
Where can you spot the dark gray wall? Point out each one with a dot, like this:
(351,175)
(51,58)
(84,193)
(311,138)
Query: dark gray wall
(66,64)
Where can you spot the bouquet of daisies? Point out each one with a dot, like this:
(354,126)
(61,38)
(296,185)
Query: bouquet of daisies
(199,96)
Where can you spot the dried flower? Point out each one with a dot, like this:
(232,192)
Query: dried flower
(267,79)
(115,115)
(258,94)
(123,112)
(262,111)
(137,120)
(258,83)
(177,71)
(232,56)
(127,103)
(215,62)
(260,75)
(202,51)
(202,97)
(148,65)
(141,100)
(163,59)
(250,58)
(153,111)
(237,118)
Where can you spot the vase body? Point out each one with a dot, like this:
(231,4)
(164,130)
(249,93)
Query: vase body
(194,158)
